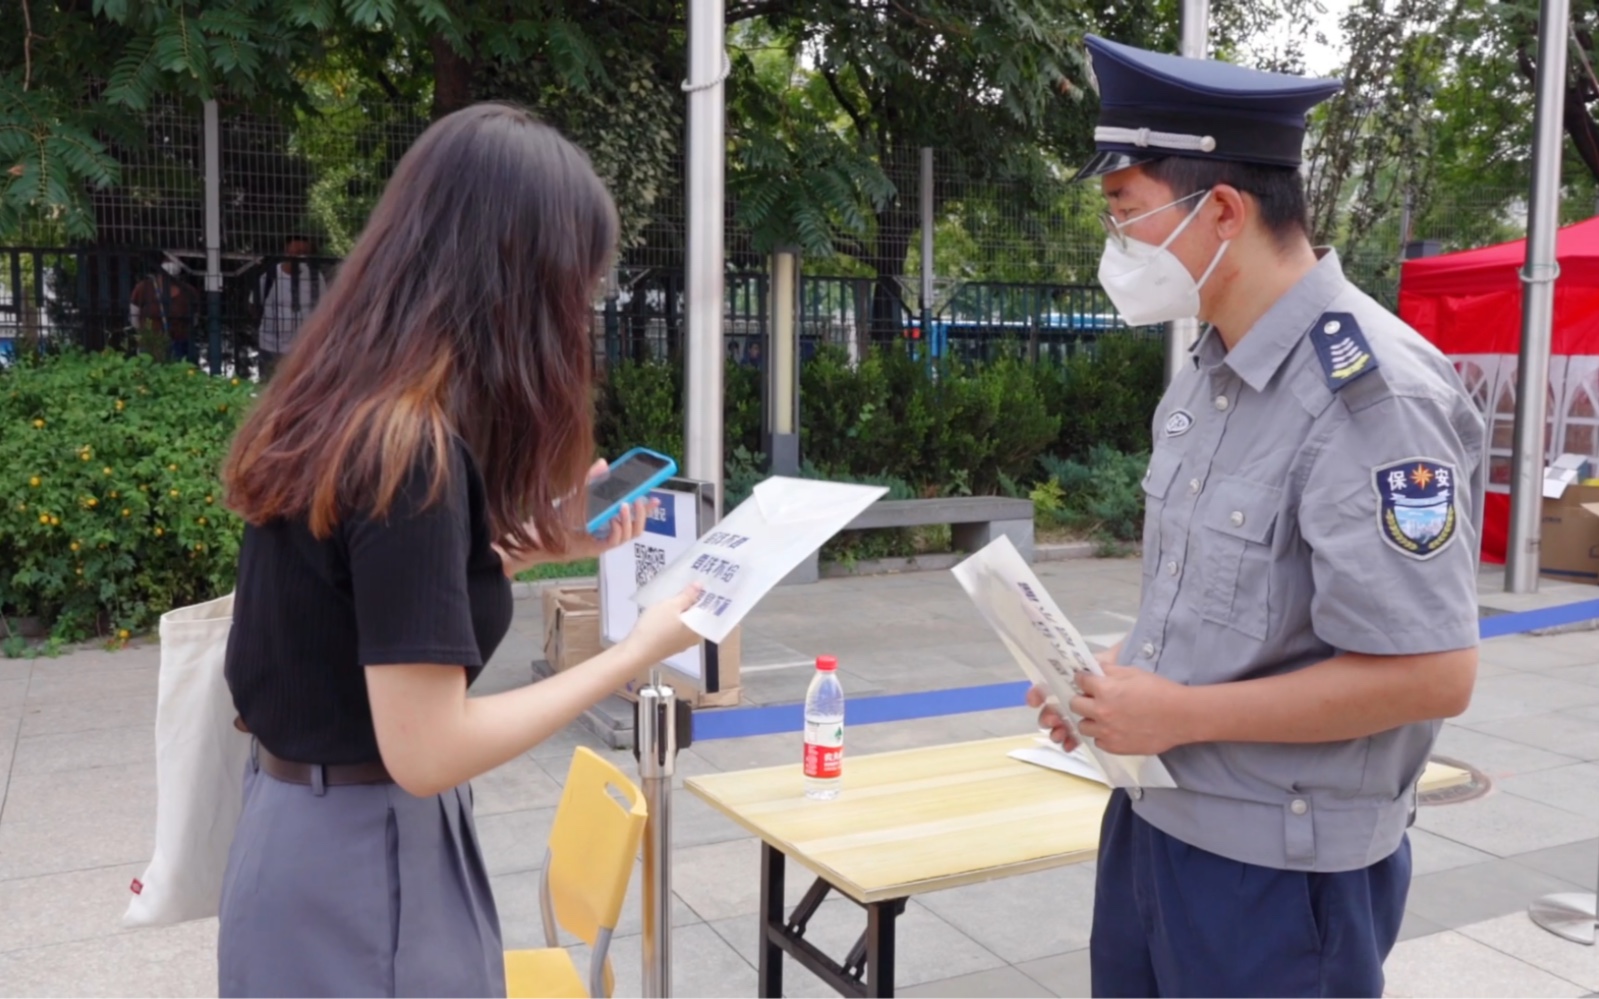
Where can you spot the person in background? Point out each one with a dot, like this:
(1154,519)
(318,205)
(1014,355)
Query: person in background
(1309,608)
(429,437)
(287,294)
(163,302)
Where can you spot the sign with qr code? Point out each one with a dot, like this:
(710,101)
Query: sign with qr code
(669,533)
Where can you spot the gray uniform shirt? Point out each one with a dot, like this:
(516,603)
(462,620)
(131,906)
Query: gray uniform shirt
(1303,500)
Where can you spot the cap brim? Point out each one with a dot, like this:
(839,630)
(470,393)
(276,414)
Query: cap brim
(1107,161)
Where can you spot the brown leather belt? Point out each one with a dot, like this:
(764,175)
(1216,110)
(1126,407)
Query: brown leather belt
(333,774)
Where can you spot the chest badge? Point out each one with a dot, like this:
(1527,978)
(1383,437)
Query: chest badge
(1179,423)
(1342,349)
(1416,506)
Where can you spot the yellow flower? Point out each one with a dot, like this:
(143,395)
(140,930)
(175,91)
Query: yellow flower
(80,570)
(44,518)
(107,470)
(55,521)
(91,502)
(222,408)
(22,507)
(85,454)
(235,381)
(200,521)
(159,531)
(34,482)
(122,405)
(115,494)
(38,424)
(75,546)
(124,634)
(200,547)
(208,501)
(193,371)
(126,512)
(172,468)
(173,493)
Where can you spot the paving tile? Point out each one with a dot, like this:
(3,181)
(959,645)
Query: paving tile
(1518,936)
(1515,695)
(1504,824)
(1573,788)
(67,717)
(1472,894)
(85,750)
(77,820)
(12,693)
(928,949)
(1063,974)
(1431,853)
(1572,733)
(695,823)
(703,965)
(1494,756)
(722,880)
(49,686)
(1415,926)
(1574,862)
(167,961)
(1023,918)
(515,841)
(517,786)
(741,934)
(1531,653)
(13,670)
(1449,964)
(61,908)
(999,982)
(756,751)
(1587,673)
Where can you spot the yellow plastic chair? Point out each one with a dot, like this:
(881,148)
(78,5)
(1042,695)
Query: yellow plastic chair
(586,869)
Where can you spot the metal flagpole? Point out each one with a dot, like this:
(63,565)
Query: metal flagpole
(213,238)
(1181,333)
(1538,302)
(926,206)
(707,69)
(655,729)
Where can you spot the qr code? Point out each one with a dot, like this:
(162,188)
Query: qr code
(647,561)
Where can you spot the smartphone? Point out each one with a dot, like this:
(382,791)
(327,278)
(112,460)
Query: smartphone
(629,478)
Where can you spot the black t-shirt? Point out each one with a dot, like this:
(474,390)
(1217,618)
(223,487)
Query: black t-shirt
(422,585)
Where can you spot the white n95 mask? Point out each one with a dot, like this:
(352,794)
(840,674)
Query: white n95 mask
(1146,283)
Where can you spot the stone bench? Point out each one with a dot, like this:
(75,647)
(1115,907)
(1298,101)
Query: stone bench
(974,522)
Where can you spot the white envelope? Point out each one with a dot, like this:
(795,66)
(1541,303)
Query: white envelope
(742,558)
(1046,646)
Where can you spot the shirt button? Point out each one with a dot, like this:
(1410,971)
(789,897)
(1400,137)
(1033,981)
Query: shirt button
(1193,487)
(1171,568)
(1135,793)
(1222,404)
(1148,651)
(1298,806)
(1237,518)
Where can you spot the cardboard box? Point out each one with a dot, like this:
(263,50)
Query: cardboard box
(1564,472)
(572,635)
(1569,548)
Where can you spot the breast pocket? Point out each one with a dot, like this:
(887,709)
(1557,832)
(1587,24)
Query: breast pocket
(1158,477)
(1239,521)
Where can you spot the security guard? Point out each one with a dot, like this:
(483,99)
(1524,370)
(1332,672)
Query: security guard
(1309,607)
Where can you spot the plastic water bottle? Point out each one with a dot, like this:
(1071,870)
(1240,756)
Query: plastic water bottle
(824,731)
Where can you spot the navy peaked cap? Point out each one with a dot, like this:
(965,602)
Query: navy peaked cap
(1153,105)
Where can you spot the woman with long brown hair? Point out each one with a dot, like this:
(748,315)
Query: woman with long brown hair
(429,437)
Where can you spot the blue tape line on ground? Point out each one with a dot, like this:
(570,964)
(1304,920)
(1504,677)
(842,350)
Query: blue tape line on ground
(782,718)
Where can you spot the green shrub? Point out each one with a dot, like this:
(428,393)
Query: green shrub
(640,404)
(112,502)
(1106,397)
(1102,495)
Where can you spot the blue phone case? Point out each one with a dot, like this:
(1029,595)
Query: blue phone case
(599,525)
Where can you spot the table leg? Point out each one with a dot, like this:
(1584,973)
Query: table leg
(770,965)
(880,919)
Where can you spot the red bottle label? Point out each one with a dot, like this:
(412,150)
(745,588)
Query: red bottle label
(823,762)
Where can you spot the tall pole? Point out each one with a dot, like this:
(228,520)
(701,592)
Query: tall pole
(927,249)
(707,69)
(655,729)
(1538,304)
(1181,333)
(213,237)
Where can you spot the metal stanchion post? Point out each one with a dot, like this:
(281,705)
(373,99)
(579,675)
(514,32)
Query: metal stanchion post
(1572,915)
(656,746)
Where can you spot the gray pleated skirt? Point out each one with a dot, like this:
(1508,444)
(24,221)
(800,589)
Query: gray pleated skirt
(356,890)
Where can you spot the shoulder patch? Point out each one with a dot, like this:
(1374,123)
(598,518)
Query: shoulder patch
(1416,510)
(1179,423)
(1342,349)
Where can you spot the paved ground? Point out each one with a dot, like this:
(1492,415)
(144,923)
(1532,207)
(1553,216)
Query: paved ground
(77,812)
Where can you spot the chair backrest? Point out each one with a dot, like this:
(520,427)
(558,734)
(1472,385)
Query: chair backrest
(593,845)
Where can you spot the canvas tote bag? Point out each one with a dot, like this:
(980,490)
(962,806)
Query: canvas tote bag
(200,758)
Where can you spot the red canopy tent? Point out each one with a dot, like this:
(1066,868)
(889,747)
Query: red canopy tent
(1469,305)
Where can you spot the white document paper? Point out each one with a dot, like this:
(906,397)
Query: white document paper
(1046,646)
(668,534)
(1079,762)
(742,558)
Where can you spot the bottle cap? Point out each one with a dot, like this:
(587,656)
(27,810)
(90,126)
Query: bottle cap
(826,664)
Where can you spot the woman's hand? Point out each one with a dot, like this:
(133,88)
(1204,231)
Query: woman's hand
(627,525)
(660,632)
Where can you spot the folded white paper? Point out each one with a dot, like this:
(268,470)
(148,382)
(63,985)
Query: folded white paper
(742,558)
(1079,762)
(1046,646)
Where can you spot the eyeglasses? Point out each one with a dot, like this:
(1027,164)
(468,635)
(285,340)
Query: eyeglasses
(1116,231)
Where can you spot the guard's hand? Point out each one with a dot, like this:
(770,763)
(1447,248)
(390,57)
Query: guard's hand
(1131,712)
(1059,730)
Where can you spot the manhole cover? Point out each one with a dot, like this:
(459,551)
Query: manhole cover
(1474,784)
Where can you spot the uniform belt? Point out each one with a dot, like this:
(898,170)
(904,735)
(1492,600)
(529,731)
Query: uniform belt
(333,774)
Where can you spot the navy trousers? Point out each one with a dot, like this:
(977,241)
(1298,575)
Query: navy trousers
(1173,920)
